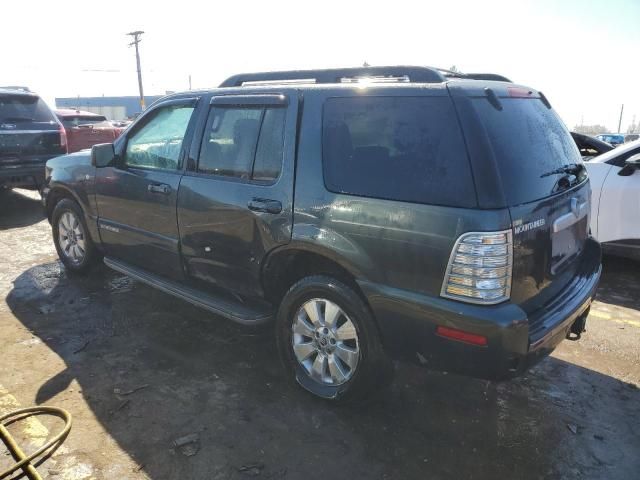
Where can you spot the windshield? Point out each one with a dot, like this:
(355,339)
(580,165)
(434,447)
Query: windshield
(529,141)
(23,109)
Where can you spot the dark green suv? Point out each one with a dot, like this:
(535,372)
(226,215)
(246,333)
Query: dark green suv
(403,212)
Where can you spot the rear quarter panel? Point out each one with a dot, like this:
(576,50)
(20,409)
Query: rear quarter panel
(398,244)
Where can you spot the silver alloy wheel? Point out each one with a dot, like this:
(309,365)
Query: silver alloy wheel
(325,342)
(71,237)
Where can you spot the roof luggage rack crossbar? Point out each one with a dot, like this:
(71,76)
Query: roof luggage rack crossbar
(338,75)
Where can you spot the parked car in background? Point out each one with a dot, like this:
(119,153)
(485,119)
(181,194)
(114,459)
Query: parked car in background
(631,137)
(398,216)
(615,208)
(85,129)
(590,146)
(30,134)
(614,139)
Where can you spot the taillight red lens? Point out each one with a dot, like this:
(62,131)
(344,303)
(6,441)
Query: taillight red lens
(461,336)
(63,139)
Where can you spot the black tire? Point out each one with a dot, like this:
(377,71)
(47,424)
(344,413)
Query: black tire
(91,254)
(373,370)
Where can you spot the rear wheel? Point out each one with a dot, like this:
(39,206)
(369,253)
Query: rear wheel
(70,235)
(329,342)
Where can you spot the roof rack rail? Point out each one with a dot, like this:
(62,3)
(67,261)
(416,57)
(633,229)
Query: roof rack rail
(487,76)
(15,87)
(338,75)
(474,76)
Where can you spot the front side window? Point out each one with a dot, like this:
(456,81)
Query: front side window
(245,143)
(159,142)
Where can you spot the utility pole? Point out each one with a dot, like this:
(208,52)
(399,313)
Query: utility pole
(620,121)
(189,81)
(136,41)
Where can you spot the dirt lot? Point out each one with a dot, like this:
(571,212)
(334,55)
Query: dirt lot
(139,369)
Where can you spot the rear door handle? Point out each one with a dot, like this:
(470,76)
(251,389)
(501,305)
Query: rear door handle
(162,188)
(265,205)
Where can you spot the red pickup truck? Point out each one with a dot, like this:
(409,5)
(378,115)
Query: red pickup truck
(85,129)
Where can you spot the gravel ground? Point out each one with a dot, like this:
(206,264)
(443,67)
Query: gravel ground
(139,369)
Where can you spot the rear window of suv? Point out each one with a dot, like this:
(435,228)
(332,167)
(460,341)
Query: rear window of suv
(397,148)
(528,140)
(81,120)
(20,109)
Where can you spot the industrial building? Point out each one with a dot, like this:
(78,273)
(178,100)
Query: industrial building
(114,108)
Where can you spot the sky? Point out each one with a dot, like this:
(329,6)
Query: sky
(584,55)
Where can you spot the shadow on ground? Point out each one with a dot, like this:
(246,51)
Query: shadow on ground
(204,375)
(19,208)
(620,284)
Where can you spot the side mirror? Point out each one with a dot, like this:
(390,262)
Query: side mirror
(102,155)
(631,164)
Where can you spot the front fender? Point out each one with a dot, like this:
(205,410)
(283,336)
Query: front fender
(73,176)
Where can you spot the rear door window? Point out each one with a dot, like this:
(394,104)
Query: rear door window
(244,142)
(528,141)
(398,148)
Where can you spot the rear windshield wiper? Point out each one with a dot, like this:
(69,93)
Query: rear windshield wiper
(571,168)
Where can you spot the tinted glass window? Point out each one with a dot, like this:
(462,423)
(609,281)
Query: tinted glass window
(269,153)
(229,143)
(398,148)
(159,142)
(528,141)
(79,120)
(244,143)
(24,109)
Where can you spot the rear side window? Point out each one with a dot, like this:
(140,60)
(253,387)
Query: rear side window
(398,148)
(243,142)
(20,109)
(529,141)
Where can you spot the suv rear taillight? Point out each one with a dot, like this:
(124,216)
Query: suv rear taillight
(479,269)
(63,139)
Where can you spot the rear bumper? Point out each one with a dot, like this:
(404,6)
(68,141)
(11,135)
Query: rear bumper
(31,175)
(408,323)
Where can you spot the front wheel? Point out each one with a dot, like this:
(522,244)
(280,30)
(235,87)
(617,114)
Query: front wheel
(71,238)
(329,342)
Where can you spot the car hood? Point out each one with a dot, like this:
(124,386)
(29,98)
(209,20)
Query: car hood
(615,152)
(81,158)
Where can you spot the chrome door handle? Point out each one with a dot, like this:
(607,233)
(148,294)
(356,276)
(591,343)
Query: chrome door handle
(162,188)
(265,205)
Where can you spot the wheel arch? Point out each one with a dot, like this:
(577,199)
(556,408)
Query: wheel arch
(288,264)
(56,193)
(60,191)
